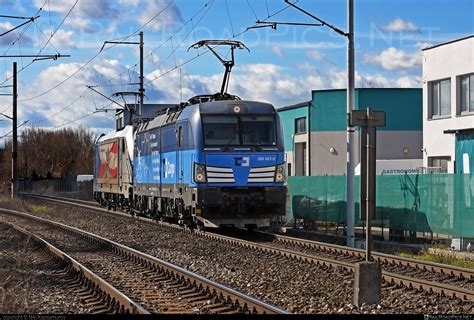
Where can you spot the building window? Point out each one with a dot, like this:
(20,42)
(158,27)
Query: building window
(300,125)
(467,93)
(440,98)
(438,164)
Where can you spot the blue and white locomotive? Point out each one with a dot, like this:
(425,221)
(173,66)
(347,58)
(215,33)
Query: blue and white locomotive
(211,163)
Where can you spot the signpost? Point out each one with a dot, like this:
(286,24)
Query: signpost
(368,274)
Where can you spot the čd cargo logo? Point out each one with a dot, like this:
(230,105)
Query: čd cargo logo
(242,161)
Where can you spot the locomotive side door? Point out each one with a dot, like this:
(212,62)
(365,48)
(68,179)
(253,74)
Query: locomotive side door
(179,157)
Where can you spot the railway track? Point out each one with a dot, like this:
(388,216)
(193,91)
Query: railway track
(154,285)
(432,277)
(406,272)
(96,294)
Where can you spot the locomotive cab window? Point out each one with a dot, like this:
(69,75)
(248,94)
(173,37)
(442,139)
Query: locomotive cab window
(248,130)
(258,130)
(220,130)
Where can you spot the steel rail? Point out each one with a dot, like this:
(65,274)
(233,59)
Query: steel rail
(379,257)
(391,277)
(114,296)
(239,300)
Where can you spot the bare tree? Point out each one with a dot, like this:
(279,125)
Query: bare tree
(60,153)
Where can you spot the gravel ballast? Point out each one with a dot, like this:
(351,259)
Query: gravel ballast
(295,286)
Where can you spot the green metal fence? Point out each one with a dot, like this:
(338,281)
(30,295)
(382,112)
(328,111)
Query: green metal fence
(433,203)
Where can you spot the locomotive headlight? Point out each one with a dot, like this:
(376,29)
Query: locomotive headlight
(280,174)
(199,173)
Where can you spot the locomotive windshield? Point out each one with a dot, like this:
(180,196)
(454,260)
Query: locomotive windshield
(221,130)
(258,130)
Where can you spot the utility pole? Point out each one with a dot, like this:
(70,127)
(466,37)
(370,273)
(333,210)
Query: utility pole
(350,207)
(14,117)
(15,138)
(142,88)
(351,146)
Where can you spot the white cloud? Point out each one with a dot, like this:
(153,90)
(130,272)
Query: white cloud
(80,23)
(133,3)
(400,25)
(85,13)
(10,37)
(410,82)
(393,59)
(53,102)
(88,8)
(62,39)
(169,15)
(307,67)
(19,6)
(261,82)
(270,83)
(423,45)
(315,54)
(278,51)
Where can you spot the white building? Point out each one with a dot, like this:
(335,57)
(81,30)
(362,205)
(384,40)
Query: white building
(448,106)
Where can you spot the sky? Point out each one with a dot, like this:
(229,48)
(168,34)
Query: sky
(282,67)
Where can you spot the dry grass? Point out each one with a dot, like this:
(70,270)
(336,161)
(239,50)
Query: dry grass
(36,209)
(438,258)
(21,205)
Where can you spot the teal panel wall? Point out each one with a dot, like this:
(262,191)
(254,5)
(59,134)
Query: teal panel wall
(287,118)
(464,144)
(328,110)
(403,107)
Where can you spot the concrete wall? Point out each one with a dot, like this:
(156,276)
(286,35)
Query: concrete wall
(287,118)
(328,153)
(391,144)
(446,61)
(328,149)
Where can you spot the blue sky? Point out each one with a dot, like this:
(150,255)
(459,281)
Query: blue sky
(283,65)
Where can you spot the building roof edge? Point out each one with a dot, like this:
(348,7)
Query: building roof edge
(448,42)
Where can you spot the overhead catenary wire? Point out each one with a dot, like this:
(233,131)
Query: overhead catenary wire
(49,40)
(61,110)
(207,51)
(252,9)
(180,65)
(24,29)
(96,55)
(207,6)
(230,18)
(90,60)
(17,40)
(54,33)
(45,37)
